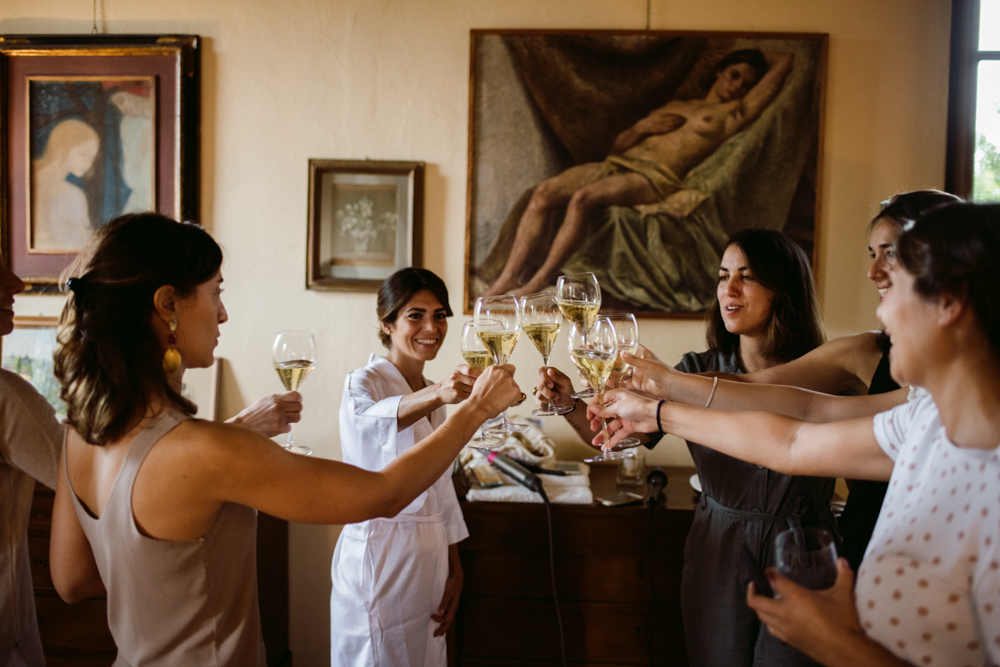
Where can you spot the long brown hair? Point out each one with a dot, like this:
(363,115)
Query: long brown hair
(108,360)
(782,267)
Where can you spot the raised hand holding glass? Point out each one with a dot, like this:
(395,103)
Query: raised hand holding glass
(294,356)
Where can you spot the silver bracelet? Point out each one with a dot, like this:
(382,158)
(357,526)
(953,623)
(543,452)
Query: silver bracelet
(715,383)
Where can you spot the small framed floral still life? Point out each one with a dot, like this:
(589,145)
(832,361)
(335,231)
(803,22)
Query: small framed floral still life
(365,222)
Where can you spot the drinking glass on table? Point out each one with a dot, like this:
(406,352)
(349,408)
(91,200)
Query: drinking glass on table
(294,356)
(627,335)
(541,320)
(498,325)
(579,298)
(807,556)
(479,359)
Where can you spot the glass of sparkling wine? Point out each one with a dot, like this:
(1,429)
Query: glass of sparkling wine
(627,334)
(479,359)
(594,354)
(294,355)
(579,298)
(498,324)
(541,321)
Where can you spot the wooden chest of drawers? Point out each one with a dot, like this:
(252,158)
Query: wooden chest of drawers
(618,572)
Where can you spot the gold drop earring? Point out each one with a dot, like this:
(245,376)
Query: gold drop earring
(172,358)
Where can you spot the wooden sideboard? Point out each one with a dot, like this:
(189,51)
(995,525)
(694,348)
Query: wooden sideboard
(77,635)
(607,561)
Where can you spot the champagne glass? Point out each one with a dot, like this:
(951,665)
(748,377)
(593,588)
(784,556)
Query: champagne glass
(294,355)
(595,358)
(807,556)
(479,359)
(627,334)
(579,298)
(498,324)
(541,320)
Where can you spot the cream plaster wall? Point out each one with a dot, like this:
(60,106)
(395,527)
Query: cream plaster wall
(286,81)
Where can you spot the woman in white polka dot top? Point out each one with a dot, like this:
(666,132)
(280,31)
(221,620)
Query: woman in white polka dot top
(928,590)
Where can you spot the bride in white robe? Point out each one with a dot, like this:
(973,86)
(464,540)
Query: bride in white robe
(396,582)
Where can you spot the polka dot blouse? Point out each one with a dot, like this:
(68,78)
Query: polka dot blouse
(929,586)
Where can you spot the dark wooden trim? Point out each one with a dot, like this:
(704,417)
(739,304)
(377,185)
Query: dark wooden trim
(961,147)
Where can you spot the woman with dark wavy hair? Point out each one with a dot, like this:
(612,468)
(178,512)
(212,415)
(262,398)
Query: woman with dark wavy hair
(928,589)
(160,508)
(765,315)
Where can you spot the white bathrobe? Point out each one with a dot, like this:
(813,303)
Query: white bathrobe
(389,574)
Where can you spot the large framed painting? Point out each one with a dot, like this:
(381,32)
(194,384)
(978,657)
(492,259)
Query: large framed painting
(93,127)
(635,155)
(365,222)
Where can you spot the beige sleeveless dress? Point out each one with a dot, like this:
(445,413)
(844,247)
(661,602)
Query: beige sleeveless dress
(176,602)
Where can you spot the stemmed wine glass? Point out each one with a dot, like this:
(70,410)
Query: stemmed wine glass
(294,355)
(627,335)
(579,298)
(595,358)
(479,359)
(541,321)
(498,324)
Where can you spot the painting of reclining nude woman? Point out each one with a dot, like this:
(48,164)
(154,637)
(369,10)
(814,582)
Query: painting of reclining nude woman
(635,156)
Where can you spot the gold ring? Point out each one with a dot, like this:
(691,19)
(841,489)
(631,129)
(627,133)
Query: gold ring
(534,392)
(523,397)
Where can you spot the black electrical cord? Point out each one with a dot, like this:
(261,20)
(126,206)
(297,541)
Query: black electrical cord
(552,569)
(649,569)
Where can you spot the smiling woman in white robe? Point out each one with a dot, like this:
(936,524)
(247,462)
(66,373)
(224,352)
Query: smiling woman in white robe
(396,582)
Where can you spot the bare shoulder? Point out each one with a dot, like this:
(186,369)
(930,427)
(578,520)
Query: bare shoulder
(208,442)
(864,344)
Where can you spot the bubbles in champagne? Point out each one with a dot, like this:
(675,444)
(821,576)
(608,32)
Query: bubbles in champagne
(543,336)
(293,373)
(595,365)
(580,313)
(499,343)
(478,361)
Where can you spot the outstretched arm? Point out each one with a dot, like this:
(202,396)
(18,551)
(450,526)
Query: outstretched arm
(454,389)
(840,449)
(656,378)
(846,363)
(244,468)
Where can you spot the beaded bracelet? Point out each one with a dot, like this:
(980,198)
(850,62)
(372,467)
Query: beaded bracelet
(715,383)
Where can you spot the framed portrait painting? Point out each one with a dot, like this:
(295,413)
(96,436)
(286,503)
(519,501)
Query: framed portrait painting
(365,222)
(635,155)
(94,127)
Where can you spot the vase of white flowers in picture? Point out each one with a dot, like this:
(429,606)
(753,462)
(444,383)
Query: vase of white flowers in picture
(359,221)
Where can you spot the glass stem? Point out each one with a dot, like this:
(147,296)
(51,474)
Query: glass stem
(547,406)
(604,425)
(290,444)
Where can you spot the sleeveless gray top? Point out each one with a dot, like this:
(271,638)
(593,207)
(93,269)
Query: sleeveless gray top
(176,602)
